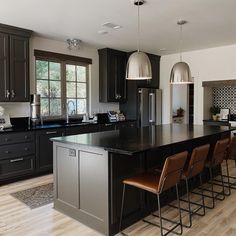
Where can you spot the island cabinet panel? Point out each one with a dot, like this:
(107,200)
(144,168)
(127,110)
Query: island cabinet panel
(68,176)
(81,184)
(91,202)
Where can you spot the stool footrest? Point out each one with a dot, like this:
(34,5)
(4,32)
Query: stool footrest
(171,230)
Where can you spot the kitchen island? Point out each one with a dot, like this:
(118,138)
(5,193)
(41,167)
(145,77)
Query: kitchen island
(89,169)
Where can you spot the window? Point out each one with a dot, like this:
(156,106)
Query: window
(62,84)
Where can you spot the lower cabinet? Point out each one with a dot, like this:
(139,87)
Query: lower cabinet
(18,166)
(44,148)
(17,155)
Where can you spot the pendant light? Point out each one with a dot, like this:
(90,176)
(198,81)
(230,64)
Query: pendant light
(180,73)
(139,65)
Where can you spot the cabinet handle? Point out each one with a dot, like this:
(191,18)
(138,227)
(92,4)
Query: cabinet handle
(26,136)
(108,124)
(13,94)
(51,132)
(26,149)
(118,96)
(7,139)
(17,159)
(8,93)
(7,152)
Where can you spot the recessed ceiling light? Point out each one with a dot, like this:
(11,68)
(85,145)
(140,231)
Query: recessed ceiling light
(112,25)
(102,32)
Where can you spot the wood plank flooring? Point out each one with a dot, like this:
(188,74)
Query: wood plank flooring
(16,219)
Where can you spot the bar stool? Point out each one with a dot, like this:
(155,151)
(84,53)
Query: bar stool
(230,155)
(217,158)
(193,168)
(157,183)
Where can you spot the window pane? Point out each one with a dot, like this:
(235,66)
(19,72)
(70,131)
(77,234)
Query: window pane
(55,89)
(81,74)
(70,72)
(55,107)
(44,107)
(42,88)
(55,71)
(81,90)
(71,89)
(41,69)
(81,106)
(71,106)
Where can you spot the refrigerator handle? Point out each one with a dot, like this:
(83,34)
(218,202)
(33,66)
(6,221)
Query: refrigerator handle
(151,107)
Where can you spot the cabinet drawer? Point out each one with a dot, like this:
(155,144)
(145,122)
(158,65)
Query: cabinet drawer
(16,138)
(16,166)
(16,150)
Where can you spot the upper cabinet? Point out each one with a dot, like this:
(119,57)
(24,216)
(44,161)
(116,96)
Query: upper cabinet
(112,69)
(14,64)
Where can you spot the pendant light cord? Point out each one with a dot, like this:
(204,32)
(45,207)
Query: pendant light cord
(138,41)
(180,42)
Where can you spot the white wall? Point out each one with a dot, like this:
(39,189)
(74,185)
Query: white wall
(180,99)
(22,109)
(206,65)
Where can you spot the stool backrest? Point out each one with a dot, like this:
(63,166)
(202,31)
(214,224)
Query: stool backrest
(172,171)
(197,160)
(232,148)
(220,151)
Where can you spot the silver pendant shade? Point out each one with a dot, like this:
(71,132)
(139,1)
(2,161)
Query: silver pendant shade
(139,65)
(180,73)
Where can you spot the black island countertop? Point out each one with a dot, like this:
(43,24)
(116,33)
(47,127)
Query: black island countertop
(133,140)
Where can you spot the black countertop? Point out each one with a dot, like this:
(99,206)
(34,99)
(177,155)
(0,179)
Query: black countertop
(133,140)
(23,127)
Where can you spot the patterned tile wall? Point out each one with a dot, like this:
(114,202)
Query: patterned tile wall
(225,97)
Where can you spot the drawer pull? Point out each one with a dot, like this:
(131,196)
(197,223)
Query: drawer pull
(51,132)
(17,159)
(7,139)
(108,124)
(26,137)
(7,152)
(26,149)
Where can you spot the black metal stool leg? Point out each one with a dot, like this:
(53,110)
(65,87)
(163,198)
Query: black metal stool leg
(203,200)
(212,189)
(180,216)
(122,207)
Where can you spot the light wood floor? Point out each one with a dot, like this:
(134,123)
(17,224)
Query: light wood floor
(16,219)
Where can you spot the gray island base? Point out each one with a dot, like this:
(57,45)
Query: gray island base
(89,168)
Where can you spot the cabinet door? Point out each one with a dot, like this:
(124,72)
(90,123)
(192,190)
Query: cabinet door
(44,148)
(19,68)
(4,67)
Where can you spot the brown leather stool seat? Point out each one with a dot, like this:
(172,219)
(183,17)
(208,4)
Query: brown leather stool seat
(156,183)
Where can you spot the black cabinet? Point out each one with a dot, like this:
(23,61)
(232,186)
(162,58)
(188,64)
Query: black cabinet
(82,129)
(112,69)
(14,64)
(44,148)
(17,155)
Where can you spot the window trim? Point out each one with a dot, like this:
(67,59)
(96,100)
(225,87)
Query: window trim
(86,63)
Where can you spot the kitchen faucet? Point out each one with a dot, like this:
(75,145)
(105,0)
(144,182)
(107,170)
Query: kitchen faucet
(67,110)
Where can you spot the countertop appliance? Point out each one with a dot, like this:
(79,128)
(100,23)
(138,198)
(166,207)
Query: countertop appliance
(35,108)
(149,106)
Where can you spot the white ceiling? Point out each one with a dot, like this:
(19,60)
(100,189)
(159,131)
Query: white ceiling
(211,22)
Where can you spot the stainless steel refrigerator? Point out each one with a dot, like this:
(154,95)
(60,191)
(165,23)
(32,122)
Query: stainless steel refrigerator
(149,106)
